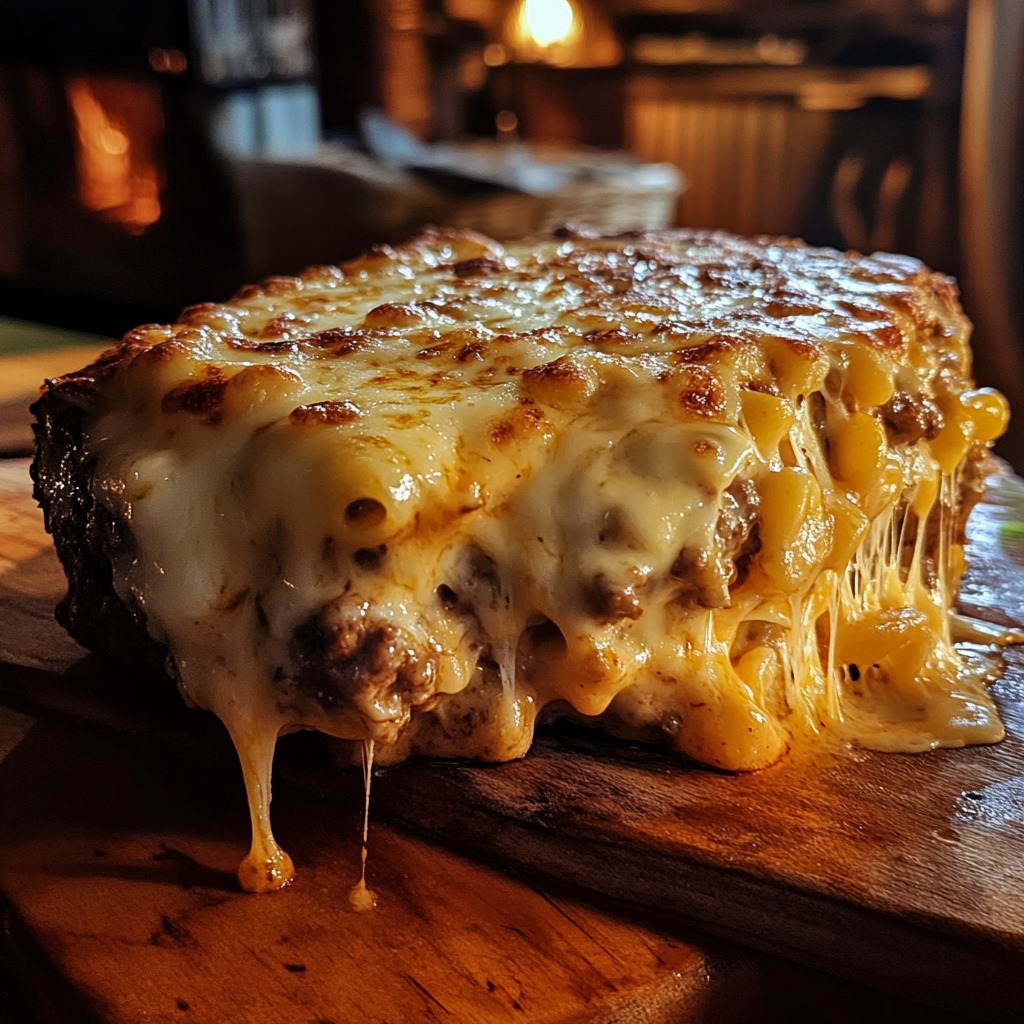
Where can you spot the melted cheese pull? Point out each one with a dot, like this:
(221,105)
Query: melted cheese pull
(694,489)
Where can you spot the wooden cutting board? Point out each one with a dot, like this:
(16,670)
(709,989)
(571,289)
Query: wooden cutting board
(902,872)
(21,374)
(118,901)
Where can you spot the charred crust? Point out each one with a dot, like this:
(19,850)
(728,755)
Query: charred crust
(241,344)
(147,335)
(87,537)
(913,305)
(273,286)
(889,337)
(522,420)
(801,348)
(863,308)
(328,274)
(162,351)
(202,398)
(282,285)
(285,326)
(785,300)
(702,394)
(474,350)
(560,371)
(324,412)
(612,336)
(710,349)
(81,386)
(478,267)
(403,314)
(198,315)
(341,341)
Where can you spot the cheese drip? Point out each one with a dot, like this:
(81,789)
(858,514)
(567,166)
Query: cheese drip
(692,489)
(360,898)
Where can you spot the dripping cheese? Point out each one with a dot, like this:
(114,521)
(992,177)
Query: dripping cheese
(699,490)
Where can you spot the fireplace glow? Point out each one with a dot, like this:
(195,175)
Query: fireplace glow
(117,123)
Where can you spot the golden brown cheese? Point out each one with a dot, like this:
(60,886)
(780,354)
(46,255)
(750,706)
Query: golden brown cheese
(699,489)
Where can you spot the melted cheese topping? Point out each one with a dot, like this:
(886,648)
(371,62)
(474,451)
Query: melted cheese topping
(701,490)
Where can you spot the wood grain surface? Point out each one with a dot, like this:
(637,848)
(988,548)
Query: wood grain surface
(119,903)
(901,872)
(118,871)
(20,377)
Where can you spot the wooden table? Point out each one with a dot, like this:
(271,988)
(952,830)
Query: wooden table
(120,905)
(28,353)
(584,890)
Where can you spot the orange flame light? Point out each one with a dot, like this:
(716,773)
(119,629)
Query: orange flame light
(116,123)
(564,33)
(548,22)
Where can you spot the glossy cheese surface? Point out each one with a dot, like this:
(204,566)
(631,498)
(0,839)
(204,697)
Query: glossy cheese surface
(703,490)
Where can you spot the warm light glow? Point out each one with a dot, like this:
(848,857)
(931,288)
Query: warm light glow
(547,22)
(507,122)
(117,176)
(495,55)
(562,33)
(171,62)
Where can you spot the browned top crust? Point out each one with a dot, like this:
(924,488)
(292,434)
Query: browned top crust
(707,297)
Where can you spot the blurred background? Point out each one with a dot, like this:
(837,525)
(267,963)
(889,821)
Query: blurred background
(155,154)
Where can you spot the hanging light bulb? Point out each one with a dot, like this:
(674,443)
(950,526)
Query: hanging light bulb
(547,22)
(565,33)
